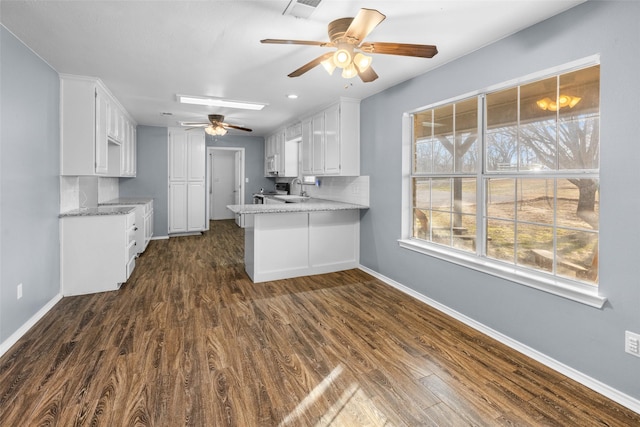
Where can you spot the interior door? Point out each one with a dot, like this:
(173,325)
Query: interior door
(224,180)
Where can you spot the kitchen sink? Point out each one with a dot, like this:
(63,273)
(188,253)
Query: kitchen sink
(291,198)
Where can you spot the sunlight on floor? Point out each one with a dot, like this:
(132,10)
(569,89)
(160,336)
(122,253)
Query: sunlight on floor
(353,407)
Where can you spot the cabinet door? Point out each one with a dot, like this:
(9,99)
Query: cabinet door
(317,159)
(177,207)
(306,147)
(332,140)
(177,156)
(134,150)
(102,109)
(196,206)
(196,156)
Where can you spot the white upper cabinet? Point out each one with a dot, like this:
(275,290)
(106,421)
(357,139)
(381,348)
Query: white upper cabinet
(306,147)
(331,140)
(281,152)
(96,136)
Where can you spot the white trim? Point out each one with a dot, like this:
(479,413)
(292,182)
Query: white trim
(160,238)
(532,279)
(9,342)
(595,385)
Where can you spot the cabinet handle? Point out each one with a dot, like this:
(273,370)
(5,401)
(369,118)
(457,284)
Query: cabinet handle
(135,228)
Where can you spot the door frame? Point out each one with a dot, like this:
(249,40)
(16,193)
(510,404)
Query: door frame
(210,152)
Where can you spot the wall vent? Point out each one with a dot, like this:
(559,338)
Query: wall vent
(301,8)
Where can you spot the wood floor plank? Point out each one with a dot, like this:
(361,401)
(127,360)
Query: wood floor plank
(190,340)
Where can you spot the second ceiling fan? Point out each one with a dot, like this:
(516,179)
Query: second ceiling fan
(215,126)
(347,35)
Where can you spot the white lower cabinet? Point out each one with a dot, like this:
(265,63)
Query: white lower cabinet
(143,223)
(294,244)
(98,252)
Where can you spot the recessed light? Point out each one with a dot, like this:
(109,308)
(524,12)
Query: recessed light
(292,96)
(217,102)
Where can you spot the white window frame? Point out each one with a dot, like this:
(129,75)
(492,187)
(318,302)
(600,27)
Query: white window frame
(555,285)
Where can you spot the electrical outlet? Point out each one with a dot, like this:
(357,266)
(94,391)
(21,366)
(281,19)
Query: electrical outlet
(632,343)
(19,290)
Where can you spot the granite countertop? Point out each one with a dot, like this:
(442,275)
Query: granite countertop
(99,211)
(309,205)
(127,201)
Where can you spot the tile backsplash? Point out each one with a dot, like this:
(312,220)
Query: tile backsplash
(77,192)
(347,189)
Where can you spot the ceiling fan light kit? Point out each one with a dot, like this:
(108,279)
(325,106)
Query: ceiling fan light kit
(215,131)
(347,36)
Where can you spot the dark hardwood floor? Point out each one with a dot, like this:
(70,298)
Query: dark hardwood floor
(190,340)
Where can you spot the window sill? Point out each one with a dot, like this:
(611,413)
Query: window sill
(553,286)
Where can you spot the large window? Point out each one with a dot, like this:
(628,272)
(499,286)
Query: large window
(512,176)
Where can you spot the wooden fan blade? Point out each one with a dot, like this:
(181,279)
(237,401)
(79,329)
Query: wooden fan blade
(368,75)
(302,42)
(227,125)
(192,128)
(364,22)
(402,49)
(309,65)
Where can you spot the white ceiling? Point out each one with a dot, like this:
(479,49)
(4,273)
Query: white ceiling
(146,52)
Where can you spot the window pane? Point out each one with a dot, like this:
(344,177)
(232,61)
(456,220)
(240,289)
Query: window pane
(501,198)
(441,230)
(578,255)
(464,237)
(421,195)
(466,136)
(464,195)
(423,143)
(538,117)
(423,156)
(441,194)
(536,200)
(535,246)
(443,139)
(502,129)
(578,203)
(578,128)
(500,240)
(421,224)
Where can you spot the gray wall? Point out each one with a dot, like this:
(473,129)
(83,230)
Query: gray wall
(152,175)
(587,339)
(253,160)
(29,183)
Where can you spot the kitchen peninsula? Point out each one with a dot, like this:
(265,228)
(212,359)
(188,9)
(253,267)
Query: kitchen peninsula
(311,236)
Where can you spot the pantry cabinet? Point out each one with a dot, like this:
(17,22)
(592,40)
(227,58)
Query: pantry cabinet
(187,191)
(331,140)
(96,132)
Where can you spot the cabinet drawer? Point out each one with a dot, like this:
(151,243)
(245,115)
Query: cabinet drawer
(132,250)
(131,219)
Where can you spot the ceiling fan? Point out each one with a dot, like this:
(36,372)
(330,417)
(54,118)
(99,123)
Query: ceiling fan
(216,125)
(347,35)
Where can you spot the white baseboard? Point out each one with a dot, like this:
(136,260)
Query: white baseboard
(9,342)
(595,385)
(160,238)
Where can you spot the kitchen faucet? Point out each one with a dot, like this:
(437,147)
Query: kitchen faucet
(293,181)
